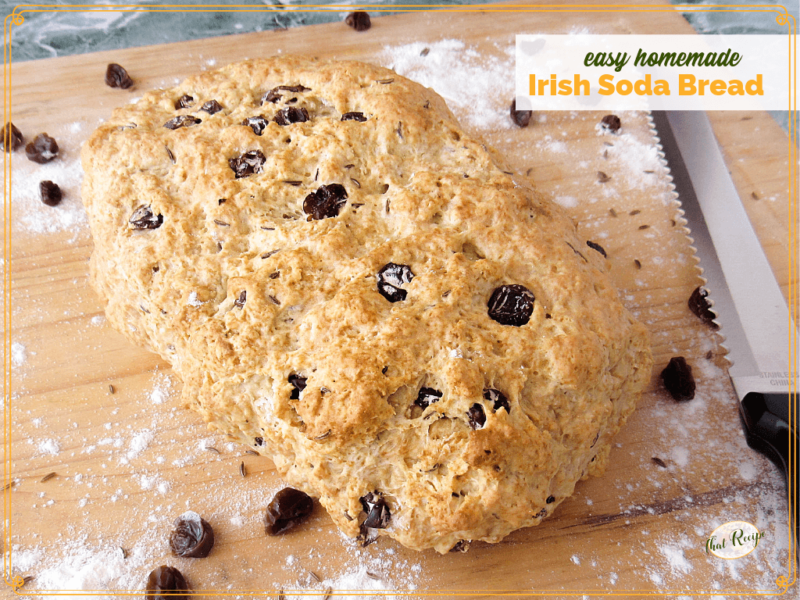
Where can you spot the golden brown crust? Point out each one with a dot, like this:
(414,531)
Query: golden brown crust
(244,294)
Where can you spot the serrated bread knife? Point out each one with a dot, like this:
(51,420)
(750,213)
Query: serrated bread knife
(746,298)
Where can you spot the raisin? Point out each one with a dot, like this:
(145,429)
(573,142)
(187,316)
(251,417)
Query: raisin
(326,202)
(184,101)
(182,121)
(290,115)
(391,278)
(50,193)
(477,416)
(42,149)
(299,384)
(511,305)
(117,77)
(358,20)
(258,124)
(550,499)
(248,163)
(239,302)
(699,305)
(259,441)
(611,123)
(211,107)
(143,218)
(596,246)
(427,396)
(678,379)
(166,583)
(10,137)
(288,508)
(378,514)
(273,96)
(193,537)
(521,118)
(497,398)
(354,116)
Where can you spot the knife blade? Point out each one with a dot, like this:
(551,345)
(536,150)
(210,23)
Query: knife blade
(746,298)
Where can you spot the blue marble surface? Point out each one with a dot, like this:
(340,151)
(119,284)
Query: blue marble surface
(51,34)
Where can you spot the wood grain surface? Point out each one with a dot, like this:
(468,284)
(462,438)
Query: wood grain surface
(127,463)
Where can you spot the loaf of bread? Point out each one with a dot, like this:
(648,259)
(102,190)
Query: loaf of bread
(348,283)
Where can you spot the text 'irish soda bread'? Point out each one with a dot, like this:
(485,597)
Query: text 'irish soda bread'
(349,284)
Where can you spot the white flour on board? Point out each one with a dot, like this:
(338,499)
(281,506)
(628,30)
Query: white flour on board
(29,213)
(477,88)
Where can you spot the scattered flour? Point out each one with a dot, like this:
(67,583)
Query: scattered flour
(566,201)
(19,354)
(49,446)
(162,389)
(29,213)
(476,87)
(139,443)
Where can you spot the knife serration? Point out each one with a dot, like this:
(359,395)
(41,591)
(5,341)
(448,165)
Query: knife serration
(747,299)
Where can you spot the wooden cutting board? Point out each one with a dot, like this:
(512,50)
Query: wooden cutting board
(128,462)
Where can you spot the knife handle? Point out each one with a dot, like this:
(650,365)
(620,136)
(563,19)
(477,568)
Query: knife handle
(765,418)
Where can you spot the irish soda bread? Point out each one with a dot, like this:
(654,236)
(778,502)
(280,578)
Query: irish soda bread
(348,283)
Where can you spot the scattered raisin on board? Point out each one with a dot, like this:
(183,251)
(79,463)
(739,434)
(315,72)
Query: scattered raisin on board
(42,149)
(192,537)
(698,304)
(358,20)
(166,583)
(50,193)
(391,278)
(678,379)
(511,305)
(611,123)
(11,138)
(117,77)
(521,118)
(288,508)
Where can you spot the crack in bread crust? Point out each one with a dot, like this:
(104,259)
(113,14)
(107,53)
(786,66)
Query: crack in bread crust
(261,274)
